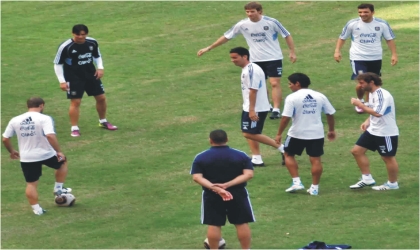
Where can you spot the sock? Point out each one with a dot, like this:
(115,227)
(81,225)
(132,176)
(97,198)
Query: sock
(315,186)
(367,177)
(58,186)
(276,109)
(73,128)
(393,184)
(281,148)
(296,180)
(102,120)
(36,207)
(257,158)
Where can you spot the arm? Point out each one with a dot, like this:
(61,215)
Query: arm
(8,144)
(365,124)
(393,48)
(338,46)
(226,195)
(99,67)
(52,139)
(283,124)
(59,72)
(218,42)
(331,123)
(246,175)
(252,100)
(358,103)
(291,45)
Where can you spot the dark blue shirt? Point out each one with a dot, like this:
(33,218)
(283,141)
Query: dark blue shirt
(221,164)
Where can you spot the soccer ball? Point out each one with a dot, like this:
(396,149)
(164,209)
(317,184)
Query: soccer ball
(222,244)
(65,200)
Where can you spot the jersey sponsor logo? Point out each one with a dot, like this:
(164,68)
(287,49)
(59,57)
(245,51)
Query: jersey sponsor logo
(309,98)
(266,28)
(309,105)
(259,37)
(27,121)
(377,28)
(368,38)
(28,127)
(382,148)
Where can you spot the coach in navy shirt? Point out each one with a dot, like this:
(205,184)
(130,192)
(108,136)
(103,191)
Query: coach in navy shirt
(223,172)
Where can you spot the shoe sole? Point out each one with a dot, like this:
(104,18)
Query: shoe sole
(294,190)
(367,185)
(258,165)
(272,118)
(108,128)
(74,135)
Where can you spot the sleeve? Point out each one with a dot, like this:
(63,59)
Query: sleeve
(388,34)
(347,30)
(255,80)
(280,29)
(97,52)
(9,132)
(384,103)
(288,109)
(196,167)
(234,31)
(59,72)
(60,56)
(248,162)
(48,125)
(327,107)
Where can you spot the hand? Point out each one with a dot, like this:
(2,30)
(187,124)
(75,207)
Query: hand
(337,56)
(226,195)
(278,139)
(394,60)
(331,135)
(202,51)
(14,155)
(356,102)
(99,73)
(364,126)
(292,57)
(61,157)
(253,116)
(64,86)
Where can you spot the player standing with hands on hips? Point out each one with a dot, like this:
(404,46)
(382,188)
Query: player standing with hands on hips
(261,34)
(366,34)
(76,73)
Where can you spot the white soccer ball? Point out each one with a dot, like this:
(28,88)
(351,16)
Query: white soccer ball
(65,200)
(222,243)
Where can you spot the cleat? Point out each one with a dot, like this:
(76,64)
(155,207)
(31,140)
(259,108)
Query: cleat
(275,115)
(257,163)
(40,212)
(359,110)
(107,125)
(63,191)
(295,187)
(312,191)
(385,186)
(75,133)
(362,184)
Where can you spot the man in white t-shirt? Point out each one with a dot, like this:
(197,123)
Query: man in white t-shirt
(38,146)
(366,35)
(380,132)
(304,107)
(255,104)
(261,34)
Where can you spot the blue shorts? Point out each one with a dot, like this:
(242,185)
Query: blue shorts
(251,127)
(360,67)
(271,68)
(385,145)
(294,146)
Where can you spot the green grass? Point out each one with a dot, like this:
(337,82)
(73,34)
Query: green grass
(133,186)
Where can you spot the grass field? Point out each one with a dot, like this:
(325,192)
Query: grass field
(133,186)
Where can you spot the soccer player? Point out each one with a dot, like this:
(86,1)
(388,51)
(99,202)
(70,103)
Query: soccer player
(380,132)
(366,34)
(38,146)
(261,34)
(76,73)
(223,173)
(255,104)
(304,107)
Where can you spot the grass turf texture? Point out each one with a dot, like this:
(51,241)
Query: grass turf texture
(133,186)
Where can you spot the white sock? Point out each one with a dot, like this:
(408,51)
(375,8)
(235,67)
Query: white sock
(296,180)
(73,128)
(281,148)
(315,186)
(394,184)
(367,177)
(36,207)
(58,186)
(276,109)
(257,157)
(102,120)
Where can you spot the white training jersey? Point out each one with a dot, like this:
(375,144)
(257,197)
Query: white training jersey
(261,37)
(382,102)
(366,38)
(31,128)
(304,107)
(253,77)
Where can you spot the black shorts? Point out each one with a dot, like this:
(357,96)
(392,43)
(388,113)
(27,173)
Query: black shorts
(294,146)
(385,145)
(78,86)
(33,170)
(251,127)
(271,68)
(238,210)
(360,67)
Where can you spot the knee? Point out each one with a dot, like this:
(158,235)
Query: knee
(75,102)
(274,82)
(100,98)
(355,152)
(246,135)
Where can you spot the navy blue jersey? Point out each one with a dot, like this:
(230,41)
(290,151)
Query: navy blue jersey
(221,164)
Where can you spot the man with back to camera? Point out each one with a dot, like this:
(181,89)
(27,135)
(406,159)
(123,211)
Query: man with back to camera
(76,73)
(223,173)
(304,106)
(255,105)
(38,146)
(380,132)
(366,34)
(261,34)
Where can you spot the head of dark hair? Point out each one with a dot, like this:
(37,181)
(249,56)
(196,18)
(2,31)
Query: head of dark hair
(301,78)
(34,102)
(79,28)
(368,77)
(218,136)
(240,51)
(253,6)
(366,6)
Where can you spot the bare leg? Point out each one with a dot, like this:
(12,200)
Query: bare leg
(291,165)
(254,146)
(276,93)
(61,173)
(359,154)
(316,169)
(244,235)
(214,233)
(262,139)
(31,192)
(74,111)
(101,105)
(392,167)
